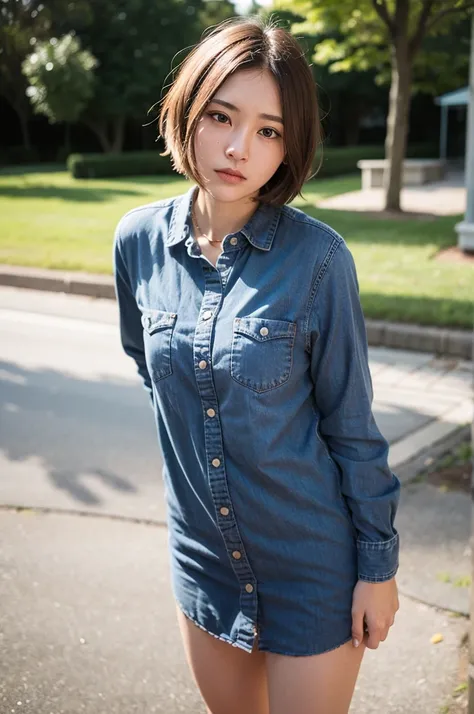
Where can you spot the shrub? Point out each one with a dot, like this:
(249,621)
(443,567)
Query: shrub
(132,163)
(336,161)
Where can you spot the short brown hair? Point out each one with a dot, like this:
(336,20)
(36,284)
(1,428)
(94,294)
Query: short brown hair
(245,44)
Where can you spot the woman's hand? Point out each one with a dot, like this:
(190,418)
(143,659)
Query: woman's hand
(373,605)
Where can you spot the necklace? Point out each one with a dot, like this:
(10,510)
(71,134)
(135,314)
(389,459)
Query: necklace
(203,235)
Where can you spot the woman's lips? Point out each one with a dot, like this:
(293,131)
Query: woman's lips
(229,178)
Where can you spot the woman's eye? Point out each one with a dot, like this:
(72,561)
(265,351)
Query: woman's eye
(221,118)
(273,134)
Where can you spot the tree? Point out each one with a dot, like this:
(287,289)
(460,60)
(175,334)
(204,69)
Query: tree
(22,24)
(345,97)
(363,34)
(61,79)
(17,21)
(134,42)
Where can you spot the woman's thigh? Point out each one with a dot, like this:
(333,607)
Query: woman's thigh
(318,684)
(230,680)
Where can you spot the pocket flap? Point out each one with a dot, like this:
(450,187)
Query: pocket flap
(153,320)
(262,328)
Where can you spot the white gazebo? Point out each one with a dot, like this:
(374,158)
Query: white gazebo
(465,229)
(458,98)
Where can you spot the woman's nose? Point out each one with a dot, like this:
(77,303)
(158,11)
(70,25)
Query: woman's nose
(238,148)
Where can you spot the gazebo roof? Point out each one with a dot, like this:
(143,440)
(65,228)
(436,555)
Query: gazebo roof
(459,97)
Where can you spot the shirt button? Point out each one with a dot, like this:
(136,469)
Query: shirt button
(216,462)
(237,554)
(211,413)
(207,315)
(234,241)
(264,331)
(224,511)
(249,588)
(202,364)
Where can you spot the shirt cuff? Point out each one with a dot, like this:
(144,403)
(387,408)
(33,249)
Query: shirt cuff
(378,560)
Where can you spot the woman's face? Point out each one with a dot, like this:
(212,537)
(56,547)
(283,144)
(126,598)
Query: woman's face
(241,129)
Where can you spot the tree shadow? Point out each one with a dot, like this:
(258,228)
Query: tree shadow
(28,169)
(86,194)
(388,229)
(76,432)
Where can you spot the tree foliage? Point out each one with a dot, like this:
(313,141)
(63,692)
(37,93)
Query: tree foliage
(61,78)
(22,24)
(386,35)
(134,42)
(353,36)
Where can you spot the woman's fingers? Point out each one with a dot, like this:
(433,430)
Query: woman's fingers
(357,627)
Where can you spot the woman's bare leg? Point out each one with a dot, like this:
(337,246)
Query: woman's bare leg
(318,684)
(230,680)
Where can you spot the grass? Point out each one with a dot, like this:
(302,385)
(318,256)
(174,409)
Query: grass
(48,219)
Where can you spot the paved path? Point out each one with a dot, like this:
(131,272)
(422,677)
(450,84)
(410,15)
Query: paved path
(88,625)
(87,617)
(442,198)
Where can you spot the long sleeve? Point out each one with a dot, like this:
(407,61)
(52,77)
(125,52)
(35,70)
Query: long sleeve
(337,341)
(131,330)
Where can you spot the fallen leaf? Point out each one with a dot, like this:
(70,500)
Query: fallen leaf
(437,638)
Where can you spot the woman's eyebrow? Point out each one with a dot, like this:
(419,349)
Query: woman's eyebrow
(272,117)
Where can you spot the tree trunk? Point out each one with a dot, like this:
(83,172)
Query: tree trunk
(118,132)
(397,124)
(67,138)
(101,130)
(25,131)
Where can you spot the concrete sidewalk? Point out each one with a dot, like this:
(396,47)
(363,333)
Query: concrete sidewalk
(439,198)
(88,623)
(87,615)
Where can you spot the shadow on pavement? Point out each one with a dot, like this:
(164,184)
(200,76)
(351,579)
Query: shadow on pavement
(76,433)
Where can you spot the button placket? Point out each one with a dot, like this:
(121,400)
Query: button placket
(214,290)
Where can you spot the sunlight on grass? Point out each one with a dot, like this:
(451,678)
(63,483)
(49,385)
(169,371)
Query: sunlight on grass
(48,219)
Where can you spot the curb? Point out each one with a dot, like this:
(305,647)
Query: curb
(443,342)
(60,281)
(413,465)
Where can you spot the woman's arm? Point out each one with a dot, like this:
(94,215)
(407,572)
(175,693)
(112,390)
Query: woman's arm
(131,330)
(337,341)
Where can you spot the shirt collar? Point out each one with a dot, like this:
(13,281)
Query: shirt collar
(259,230)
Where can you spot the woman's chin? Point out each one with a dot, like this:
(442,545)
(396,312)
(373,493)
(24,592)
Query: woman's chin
(229,193)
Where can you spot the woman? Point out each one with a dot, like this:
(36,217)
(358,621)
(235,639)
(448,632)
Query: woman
(244,320)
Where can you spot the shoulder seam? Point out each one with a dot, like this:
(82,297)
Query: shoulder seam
(316,282)
(165,203)
(288,210)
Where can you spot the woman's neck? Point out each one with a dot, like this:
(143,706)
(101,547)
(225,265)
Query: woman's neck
(217,219)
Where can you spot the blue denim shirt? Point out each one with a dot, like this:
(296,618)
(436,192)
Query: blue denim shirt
(279,495)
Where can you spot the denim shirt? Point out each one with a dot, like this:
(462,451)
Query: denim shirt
(276,474)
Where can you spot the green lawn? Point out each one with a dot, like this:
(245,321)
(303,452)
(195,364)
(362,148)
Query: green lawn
(50,220)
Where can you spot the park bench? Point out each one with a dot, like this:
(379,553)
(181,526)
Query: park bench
(416,172)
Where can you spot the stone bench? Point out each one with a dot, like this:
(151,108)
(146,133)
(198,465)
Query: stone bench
(416,172)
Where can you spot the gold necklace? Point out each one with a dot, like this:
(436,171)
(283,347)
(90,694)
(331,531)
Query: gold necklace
(203,235)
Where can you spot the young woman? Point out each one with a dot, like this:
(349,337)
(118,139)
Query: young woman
(243,317)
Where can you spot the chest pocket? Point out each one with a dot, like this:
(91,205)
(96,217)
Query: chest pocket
(158,328)
(262,352)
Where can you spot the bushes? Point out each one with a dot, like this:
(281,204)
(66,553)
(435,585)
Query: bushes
(336,161)
(132,163)
(340,160)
